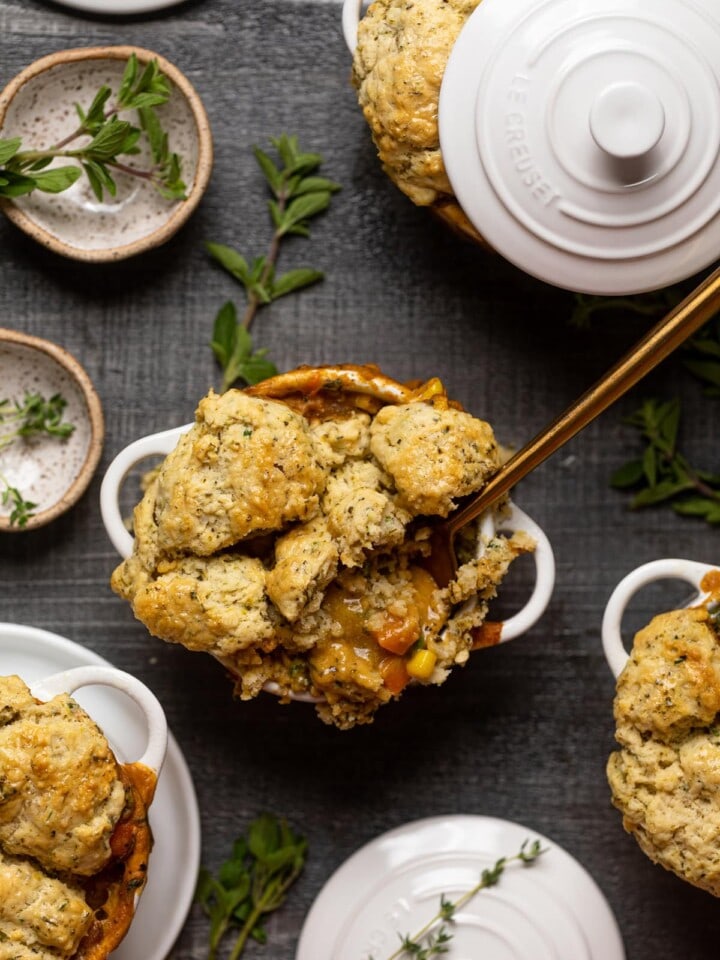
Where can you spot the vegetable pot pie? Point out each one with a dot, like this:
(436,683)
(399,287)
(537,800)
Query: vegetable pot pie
(74,835)
(666,776)
(398,66)
(285,536)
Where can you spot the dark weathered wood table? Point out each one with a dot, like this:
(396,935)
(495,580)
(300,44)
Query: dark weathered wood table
(524,731)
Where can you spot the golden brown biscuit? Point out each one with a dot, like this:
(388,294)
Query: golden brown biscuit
(247,466)
(74,834)
(666,776)
(399,62)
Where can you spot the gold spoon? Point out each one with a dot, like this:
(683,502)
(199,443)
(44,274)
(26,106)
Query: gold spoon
(655,346)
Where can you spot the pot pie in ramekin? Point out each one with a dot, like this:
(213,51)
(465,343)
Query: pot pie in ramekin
(286,531)
(665,778)
(74,833)
(398,66)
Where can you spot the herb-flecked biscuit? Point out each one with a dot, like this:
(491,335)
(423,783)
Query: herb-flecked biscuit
(41,917)
(247,466)
(665,778)
(399,62)
(61,795)
(74,833)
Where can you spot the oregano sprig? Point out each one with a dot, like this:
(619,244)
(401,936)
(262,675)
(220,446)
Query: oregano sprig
(233,347)
(251,883)
(433,938)
(663,474)
(298,194)
(110,139)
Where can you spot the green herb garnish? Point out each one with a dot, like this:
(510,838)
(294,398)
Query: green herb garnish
(110,138)
(34,417)
(656,303)
(252,883)
(432,940)
(702,357)
(298,195)
(22,509)
(233,348)
(663,474)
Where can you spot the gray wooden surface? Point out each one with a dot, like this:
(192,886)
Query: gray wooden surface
(525,730)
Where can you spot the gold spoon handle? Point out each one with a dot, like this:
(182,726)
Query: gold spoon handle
(654,347)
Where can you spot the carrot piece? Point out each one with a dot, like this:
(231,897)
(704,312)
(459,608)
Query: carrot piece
(394,674)
(487,635)
(396,635)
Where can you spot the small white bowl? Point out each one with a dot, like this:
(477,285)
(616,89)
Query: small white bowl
(38,105)
(51,472)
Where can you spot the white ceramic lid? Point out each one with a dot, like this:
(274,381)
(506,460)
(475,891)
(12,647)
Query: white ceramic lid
(392,886)
(581,137)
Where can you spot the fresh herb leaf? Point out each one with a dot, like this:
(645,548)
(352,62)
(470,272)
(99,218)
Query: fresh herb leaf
(702,357)
(653,304)
(298,195)
(664,474)
(21,510)
(8,148)
(14,184)
(233,349)
(57,179)
(294,280)
(231,260)
(110,140)
(252,883)
(20,421)
(432,940)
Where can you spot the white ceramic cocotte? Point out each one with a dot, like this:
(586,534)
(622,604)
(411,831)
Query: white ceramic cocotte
(581,137)
(161,444)
(691,571)
(69,681)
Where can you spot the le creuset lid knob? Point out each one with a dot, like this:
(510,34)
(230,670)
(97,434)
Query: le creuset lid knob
(581,137)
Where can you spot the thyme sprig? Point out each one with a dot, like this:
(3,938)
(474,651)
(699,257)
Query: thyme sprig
(433,938)
(10,496)
(110,139)
(663,474)
(298,195)
(251,883)
(20,420)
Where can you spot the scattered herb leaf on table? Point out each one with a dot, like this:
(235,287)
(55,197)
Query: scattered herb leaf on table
(251,883)
(663,474)
(298,195)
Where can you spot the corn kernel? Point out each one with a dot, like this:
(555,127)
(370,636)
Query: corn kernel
(421,664)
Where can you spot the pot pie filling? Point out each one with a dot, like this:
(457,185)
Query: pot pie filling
(286,534)
(74,835)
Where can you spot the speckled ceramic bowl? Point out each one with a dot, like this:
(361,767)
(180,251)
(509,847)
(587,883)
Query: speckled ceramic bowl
(50,472)
(39,106)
